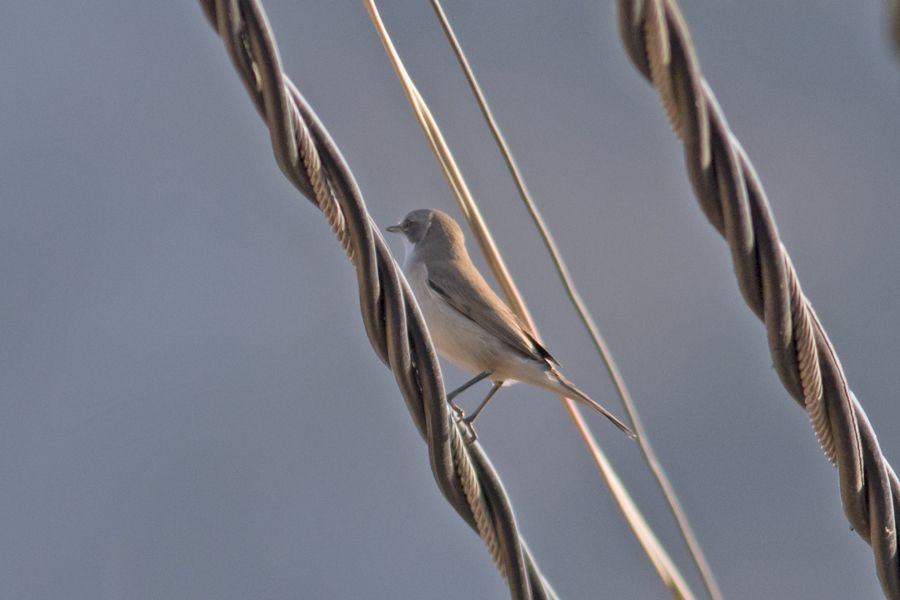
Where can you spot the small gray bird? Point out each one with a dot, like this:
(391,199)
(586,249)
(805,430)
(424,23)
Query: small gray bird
(469,325)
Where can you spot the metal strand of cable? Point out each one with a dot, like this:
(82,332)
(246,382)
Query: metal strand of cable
(731,195)
(311,161)
(894,22)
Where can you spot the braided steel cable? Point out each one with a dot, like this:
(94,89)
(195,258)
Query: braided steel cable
(731,195)
(311,161)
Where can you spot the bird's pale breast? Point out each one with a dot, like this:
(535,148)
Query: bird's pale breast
(456,337)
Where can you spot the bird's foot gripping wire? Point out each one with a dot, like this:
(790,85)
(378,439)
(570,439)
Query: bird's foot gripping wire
(459,415)
(466,430)
(466,423)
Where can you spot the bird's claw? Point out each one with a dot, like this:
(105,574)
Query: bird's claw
(466,430)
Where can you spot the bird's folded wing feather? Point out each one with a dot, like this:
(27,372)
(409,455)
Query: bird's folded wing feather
(474,299)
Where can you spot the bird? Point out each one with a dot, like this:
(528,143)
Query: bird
(469,325)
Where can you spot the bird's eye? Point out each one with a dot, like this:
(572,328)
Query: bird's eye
(406,224)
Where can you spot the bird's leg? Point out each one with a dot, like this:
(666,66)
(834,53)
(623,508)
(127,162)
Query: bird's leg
(471,436)
(497,386)
(466,386)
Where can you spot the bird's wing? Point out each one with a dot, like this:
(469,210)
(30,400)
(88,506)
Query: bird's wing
(474,299)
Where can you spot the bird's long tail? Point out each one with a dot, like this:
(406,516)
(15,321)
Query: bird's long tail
(578,396)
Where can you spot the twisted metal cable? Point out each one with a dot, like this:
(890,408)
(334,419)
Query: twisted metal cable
(310,160)
(894,24)
(731,195)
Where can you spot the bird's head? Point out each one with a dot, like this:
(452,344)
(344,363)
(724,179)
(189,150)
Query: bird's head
(430,234)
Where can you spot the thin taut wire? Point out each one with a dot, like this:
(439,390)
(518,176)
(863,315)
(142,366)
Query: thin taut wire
(649,455)
(664,566)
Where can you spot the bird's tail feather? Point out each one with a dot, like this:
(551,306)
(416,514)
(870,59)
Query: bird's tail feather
(578,396)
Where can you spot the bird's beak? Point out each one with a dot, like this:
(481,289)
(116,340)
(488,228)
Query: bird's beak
(393,229)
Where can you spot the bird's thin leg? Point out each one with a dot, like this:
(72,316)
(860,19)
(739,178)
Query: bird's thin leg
(466,386)
(469,435)
(471,419)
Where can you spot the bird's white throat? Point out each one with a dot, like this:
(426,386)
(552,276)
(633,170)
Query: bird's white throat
(408,248)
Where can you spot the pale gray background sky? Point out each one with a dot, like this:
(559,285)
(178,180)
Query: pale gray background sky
(190,408)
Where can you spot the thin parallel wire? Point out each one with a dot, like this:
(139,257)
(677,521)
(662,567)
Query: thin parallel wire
(311,161)
(650,457)
(448,166)
(661,561)
(731,195)
(665,567)
(485,530)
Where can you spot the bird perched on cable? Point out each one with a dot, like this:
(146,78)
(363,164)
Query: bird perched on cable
(469,325)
